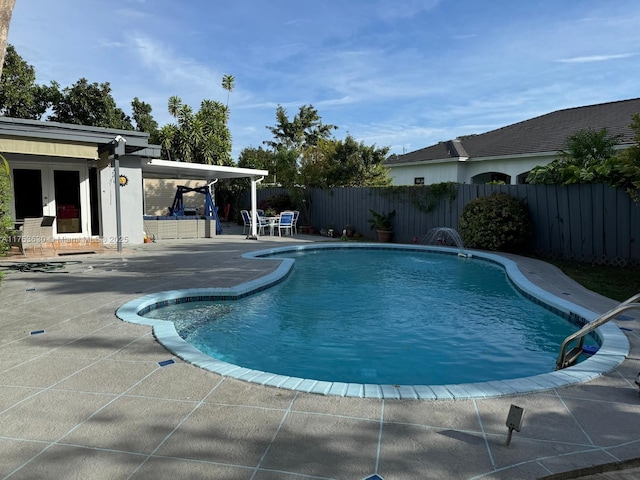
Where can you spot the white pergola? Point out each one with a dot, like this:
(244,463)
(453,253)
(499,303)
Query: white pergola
(157,168)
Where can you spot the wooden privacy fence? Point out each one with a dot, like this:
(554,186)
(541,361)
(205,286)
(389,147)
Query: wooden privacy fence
(588,223)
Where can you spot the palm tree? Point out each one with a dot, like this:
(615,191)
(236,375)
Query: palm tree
(228,82)
(6,10)
(167,135)
(175,103)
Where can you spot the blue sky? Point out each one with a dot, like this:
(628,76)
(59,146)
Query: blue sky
(399,73)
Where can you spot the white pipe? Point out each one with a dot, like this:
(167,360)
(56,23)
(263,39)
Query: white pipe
(254,207)
(117,151)
(211,192)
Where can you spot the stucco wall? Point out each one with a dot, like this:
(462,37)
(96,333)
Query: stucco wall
(432,173)
(465,171)
(159,195)
(131,206)
(509,166)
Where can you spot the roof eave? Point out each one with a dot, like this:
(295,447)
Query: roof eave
(427,161)
(38,129)
(157,168)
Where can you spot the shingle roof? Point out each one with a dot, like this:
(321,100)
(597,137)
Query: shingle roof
(546,133)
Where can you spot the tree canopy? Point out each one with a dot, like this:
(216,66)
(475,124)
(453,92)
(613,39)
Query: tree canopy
(201,137)
(259,158)
(20,96)
(228,83)
(83,103)
(302,132)
(87,103)
(343,163)
(303,152)
(144,120)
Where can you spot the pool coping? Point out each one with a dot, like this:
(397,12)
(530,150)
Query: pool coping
(613,350)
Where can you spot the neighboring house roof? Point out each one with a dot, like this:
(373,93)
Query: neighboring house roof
(543,134)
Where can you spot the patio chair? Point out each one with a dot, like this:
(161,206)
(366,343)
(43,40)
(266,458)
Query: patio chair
(286,222)
(296,215)
(247,220)
(263,221)
(35,233)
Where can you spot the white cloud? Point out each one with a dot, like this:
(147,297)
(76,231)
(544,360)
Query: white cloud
(596,58)
(176,70)
(403,8)
(465,36)
(111,44)
(130,13)
(398,137)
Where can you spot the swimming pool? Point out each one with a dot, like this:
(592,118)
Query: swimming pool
(373,381)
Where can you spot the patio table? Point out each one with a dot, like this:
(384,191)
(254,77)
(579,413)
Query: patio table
(271,222)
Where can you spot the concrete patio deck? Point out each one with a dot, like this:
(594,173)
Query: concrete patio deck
(88,398)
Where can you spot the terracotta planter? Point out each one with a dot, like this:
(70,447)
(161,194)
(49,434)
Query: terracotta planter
(384,236)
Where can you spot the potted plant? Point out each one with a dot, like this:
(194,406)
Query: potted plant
(382,224)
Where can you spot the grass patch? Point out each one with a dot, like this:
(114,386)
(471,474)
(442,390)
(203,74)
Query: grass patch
(618,283)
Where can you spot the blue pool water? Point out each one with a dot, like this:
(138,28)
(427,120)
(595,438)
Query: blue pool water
(380,317)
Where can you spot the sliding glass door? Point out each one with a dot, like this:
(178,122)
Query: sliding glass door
(66,186)
(61,191)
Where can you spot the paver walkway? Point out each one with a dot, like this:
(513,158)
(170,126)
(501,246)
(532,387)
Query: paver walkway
(88,398)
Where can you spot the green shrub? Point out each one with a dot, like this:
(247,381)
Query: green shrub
(6,223)
(497,222)
(279,202)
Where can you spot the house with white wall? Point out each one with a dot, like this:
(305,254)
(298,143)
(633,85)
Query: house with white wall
(90,180)
(508,154)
